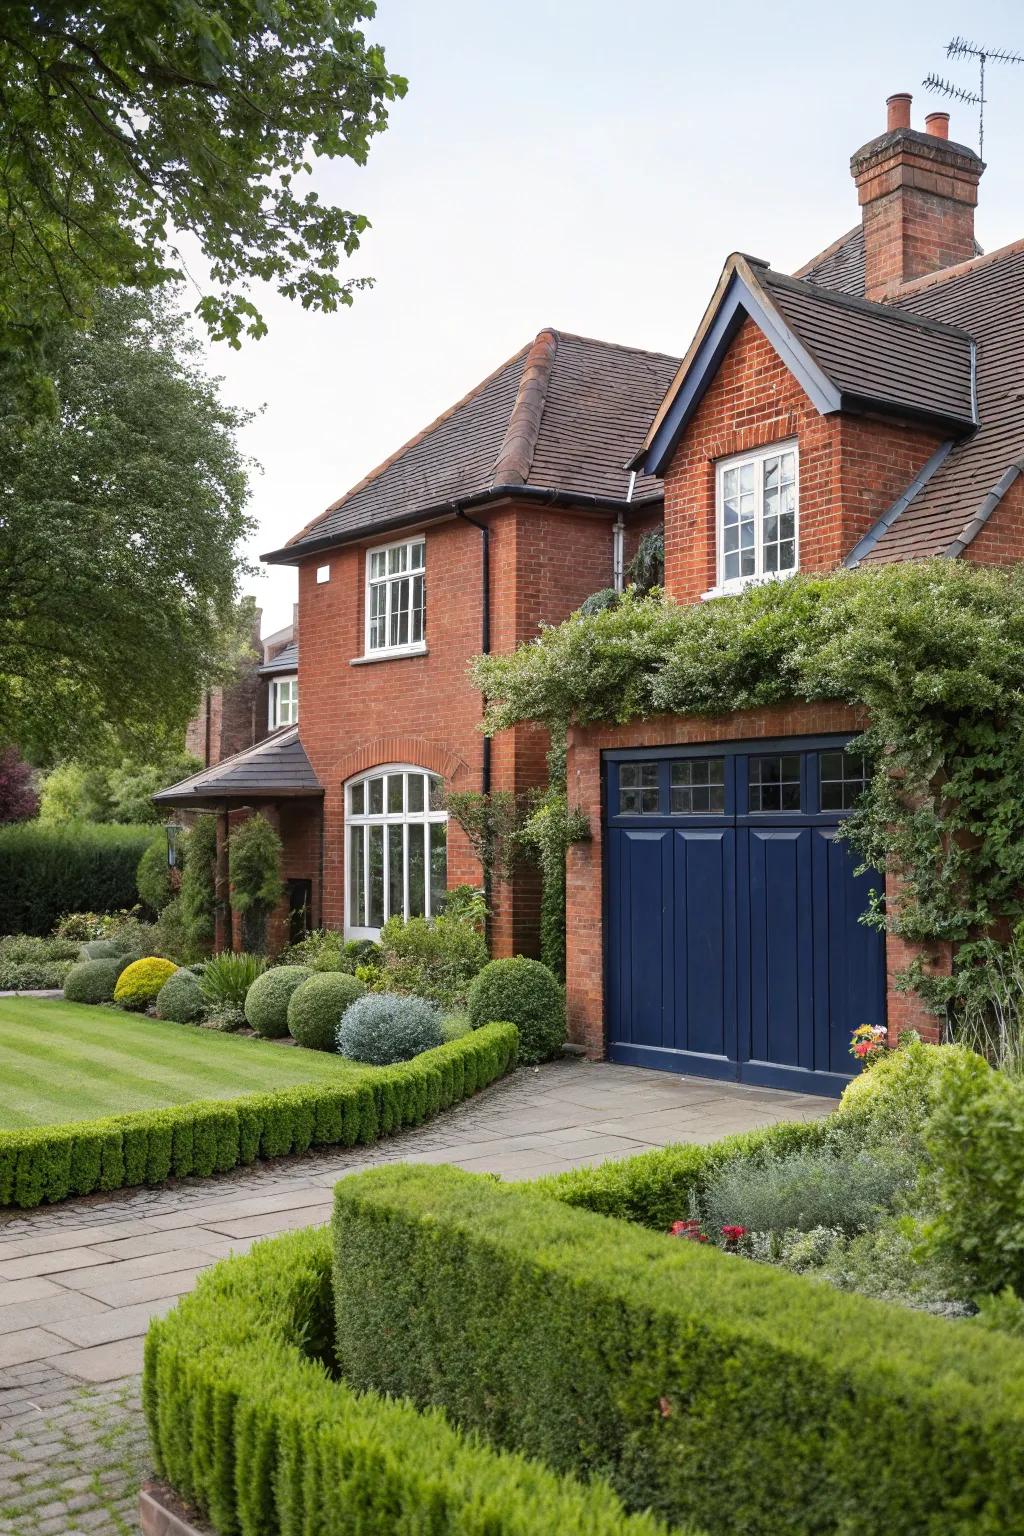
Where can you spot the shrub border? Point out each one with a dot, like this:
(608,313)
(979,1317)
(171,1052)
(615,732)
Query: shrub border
(247,1425)
(50,1163)
(676,1371)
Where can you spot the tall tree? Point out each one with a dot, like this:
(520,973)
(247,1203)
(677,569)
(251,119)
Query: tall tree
(120,518)
(127,123)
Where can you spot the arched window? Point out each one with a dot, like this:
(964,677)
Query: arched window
(396,846)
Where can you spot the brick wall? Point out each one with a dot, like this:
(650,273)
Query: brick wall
(585,867)
(851,468)
(423,710)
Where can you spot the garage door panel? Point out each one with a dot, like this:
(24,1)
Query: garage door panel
(704,941)
(854,978)
(640,969)
(780,945)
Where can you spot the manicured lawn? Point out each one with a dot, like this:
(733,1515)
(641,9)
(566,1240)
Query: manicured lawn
(68,1061)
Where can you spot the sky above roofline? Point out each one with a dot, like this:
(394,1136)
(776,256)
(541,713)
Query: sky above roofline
(585,168)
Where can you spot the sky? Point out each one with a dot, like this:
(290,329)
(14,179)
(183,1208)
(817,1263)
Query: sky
(586,166)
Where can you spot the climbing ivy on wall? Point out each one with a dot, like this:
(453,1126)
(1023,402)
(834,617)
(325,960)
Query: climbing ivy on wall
(934,652)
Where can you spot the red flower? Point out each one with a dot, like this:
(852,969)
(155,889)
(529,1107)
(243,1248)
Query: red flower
(733,1234)
(690,1230)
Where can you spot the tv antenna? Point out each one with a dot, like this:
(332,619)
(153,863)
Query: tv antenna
(960,48)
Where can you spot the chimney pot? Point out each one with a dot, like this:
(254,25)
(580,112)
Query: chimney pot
(898,111)
(937,124)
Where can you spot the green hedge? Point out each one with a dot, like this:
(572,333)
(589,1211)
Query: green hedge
(702,1385)
(46,870)
(210,1136)
(656,1188)
(246,1423)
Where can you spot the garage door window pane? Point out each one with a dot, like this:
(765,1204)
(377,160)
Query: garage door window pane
(844,778)
(775,782)
(638,789)
(698,787)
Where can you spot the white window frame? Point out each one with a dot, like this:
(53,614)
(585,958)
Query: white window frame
(356,923)
(413,647)
(757,457)
(274,701)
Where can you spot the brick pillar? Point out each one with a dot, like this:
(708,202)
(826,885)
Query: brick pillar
(905,1010)
(584,907)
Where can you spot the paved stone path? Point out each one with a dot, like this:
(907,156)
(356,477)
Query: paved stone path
(79,1283)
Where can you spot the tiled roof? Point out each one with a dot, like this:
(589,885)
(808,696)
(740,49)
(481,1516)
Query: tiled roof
(840,266)
(286,660)
(276,766)
(986,298)
(878,354)
(561,417)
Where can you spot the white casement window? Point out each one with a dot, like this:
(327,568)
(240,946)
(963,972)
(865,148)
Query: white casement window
(284,702)
(396,598)
(396,844)
(757,515)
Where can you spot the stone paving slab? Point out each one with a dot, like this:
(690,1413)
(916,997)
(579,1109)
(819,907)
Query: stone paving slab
(80,1283)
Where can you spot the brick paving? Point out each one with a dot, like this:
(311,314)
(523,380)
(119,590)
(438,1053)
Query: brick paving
(80,1282)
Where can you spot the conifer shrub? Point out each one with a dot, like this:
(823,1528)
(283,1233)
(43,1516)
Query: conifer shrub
(180,999)
(93,981)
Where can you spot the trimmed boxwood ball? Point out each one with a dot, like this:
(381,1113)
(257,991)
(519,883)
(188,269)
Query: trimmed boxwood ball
(266,1002)
(140,982)
(180,999)
(92,981)
(524,993)
(316,1008)
(385,1027)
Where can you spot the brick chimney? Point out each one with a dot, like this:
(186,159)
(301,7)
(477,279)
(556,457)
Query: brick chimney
(918,192)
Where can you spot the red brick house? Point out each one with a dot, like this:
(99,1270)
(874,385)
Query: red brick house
(866,409)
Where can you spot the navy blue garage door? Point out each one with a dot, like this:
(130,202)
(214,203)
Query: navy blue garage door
(735,946)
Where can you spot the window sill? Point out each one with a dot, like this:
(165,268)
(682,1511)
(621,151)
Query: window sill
(734,588)
(398,653)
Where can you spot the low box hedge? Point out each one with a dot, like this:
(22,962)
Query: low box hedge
(703,1386)
(246,1423)
(210,1136)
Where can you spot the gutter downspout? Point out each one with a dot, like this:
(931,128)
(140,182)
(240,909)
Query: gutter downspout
(485,649)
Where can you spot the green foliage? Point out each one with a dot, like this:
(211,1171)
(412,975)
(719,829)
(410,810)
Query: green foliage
(169,936)
(490,823)
(975,1188)
(207,1136)
(647,568)
(902,1090)
(812,1188)
(227,977)
(134,125)
(100,949)
(386,1027)
(547,832)
(46,871)
(140,982)
(316,1007)
(702,1386)
(30,964)
(1003,1313)
(986,1014)
(935,653)
(134,489)
(436,958)
(467,903)
(266,1002)
(325,949)
(245,1422)
(455,1025)
(198,891)
(153,877)
(254,868)
(180,999)
(93,981)
(526,994)
(111,788)
(597,602)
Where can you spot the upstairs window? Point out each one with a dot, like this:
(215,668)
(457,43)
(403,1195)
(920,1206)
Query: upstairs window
(396,598)
(284,702)
(757,516)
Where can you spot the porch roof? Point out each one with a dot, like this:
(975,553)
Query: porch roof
(274,769)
